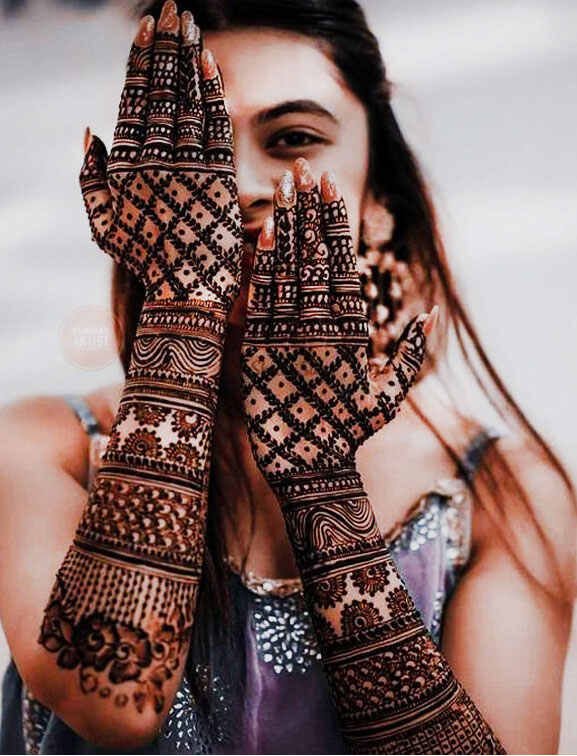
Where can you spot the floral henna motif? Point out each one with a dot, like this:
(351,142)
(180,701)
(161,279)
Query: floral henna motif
(123,604)
(310,403)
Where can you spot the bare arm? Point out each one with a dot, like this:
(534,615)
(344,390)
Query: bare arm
(506,628)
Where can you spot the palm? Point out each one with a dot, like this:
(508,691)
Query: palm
(309,400)
(165,202)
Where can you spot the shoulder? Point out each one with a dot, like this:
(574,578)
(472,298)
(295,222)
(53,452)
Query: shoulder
(526,509)
(44,429)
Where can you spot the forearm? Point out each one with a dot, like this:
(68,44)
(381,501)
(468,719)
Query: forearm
(123,604)
(393,690)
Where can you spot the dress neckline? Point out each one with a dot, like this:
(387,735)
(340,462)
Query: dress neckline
(268,586)
(449,488)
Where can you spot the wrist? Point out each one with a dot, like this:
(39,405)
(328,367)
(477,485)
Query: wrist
(319,485)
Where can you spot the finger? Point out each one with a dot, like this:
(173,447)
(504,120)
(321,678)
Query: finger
(190,109)
(313,252)
(286,284)
(260,292)
(95,191)
(131,125)
(401,369)
(161,112)
(218,139)
(347,303)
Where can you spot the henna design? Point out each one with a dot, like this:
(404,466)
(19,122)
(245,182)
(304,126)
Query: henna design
(169,213)
(123,604)
(310,403)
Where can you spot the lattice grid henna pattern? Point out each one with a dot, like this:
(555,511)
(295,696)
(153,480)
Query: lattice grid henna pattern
(310,404)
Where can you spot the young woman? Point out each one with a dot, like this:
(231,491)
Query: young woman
(237,571)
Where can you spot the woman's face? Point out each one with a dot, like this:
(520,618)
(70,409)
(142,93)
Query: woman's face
(286,100)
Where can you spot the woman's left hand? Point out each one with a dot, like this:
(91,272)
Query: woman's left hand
(309,399)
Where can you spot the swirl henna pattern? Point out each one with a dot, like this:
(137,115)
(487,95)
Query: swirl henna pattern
(310,404)
(123,604)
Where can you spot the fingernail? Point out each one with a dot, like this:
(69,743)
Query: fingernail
(266,236)
(169,17)
(329,191)
(188,28)
(431,320)
(87,139)
(285,192)
(209,68)
(145,33)
(303,175)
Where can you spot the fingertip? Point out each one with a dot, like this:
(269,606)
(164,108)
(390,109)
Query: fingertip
(145,34)
(87,139)
(329,191)
(209,68)
(285,193)
(430,320)
(188,29)
(266,238)
(169,21)
(303,174)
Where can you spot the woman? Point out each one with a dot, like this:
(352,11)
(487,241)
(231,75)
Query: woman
(167,205)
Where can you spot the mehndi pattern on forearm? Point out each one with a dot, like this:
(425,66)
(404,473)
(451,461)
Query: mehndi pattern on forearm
(310,404)
(165,206)
(123,605)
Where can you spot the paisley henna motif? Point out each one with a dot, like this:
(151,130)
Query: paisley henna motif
(310,404)
(123,604)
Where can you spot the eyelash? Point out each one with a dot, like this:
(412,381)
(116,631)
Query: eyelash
(313,139)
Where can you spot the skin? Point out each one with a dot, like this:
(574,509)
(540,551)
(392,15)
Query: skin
(504,635)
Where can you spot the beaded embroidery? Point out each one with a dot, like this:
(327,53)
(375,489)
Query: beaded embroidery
(184,726)
(284,633)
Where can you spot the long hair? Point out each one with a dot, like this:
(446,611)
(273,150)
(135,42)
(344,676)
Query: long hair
(394,174)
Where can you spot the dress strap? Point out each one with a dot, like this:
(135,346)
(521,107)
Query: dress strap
(83,412)
(473,456)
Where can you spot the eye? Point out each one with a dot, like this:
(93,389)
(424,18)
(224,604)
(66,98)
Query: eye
(293,140)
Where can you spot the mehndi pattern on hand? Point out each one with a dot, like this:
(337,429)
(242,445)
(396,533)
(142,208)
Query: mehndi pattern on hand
(165,206)
(310,403)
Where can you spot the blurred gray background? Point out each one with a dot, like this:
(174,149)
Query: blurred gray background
(486,93)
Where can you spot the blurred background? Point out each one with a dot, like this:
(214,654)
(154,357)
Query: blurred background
(485,91)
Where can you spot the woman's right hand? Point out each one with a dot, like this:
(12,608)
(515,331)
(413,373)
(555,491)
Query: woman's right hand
(165,204)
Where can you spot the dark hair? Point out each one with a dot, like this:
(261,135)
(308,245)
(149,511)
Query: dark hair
(395,177)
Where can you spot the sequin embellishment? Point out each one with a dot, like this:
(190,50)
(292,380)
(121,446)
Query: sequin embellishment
(284,633)
(35,718)
(184,726)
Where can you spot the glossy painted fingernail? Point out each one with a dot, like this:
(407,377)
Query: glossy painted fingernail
(303,175)
(169,17)
(266,236)
(329,191)
(431,320)
(87,139)
(285,191)
(209,68)
(145,33)
(188,29)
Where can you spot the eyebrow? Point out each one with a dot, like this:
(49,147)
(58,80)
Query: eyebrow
(293,106)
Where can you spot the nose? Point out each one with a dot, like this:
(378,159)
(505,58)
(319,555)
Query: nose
(256,183)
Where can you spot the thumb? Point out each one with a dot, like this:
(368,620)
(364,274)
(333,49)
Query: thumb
(94,186)
(403,366)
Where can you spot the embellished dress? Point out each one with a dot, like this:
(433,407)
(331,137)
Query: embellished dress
(285,705)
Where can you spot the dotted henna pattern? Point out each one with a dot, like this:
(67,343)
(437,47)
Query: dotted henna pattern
(310,404)
(165,206)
